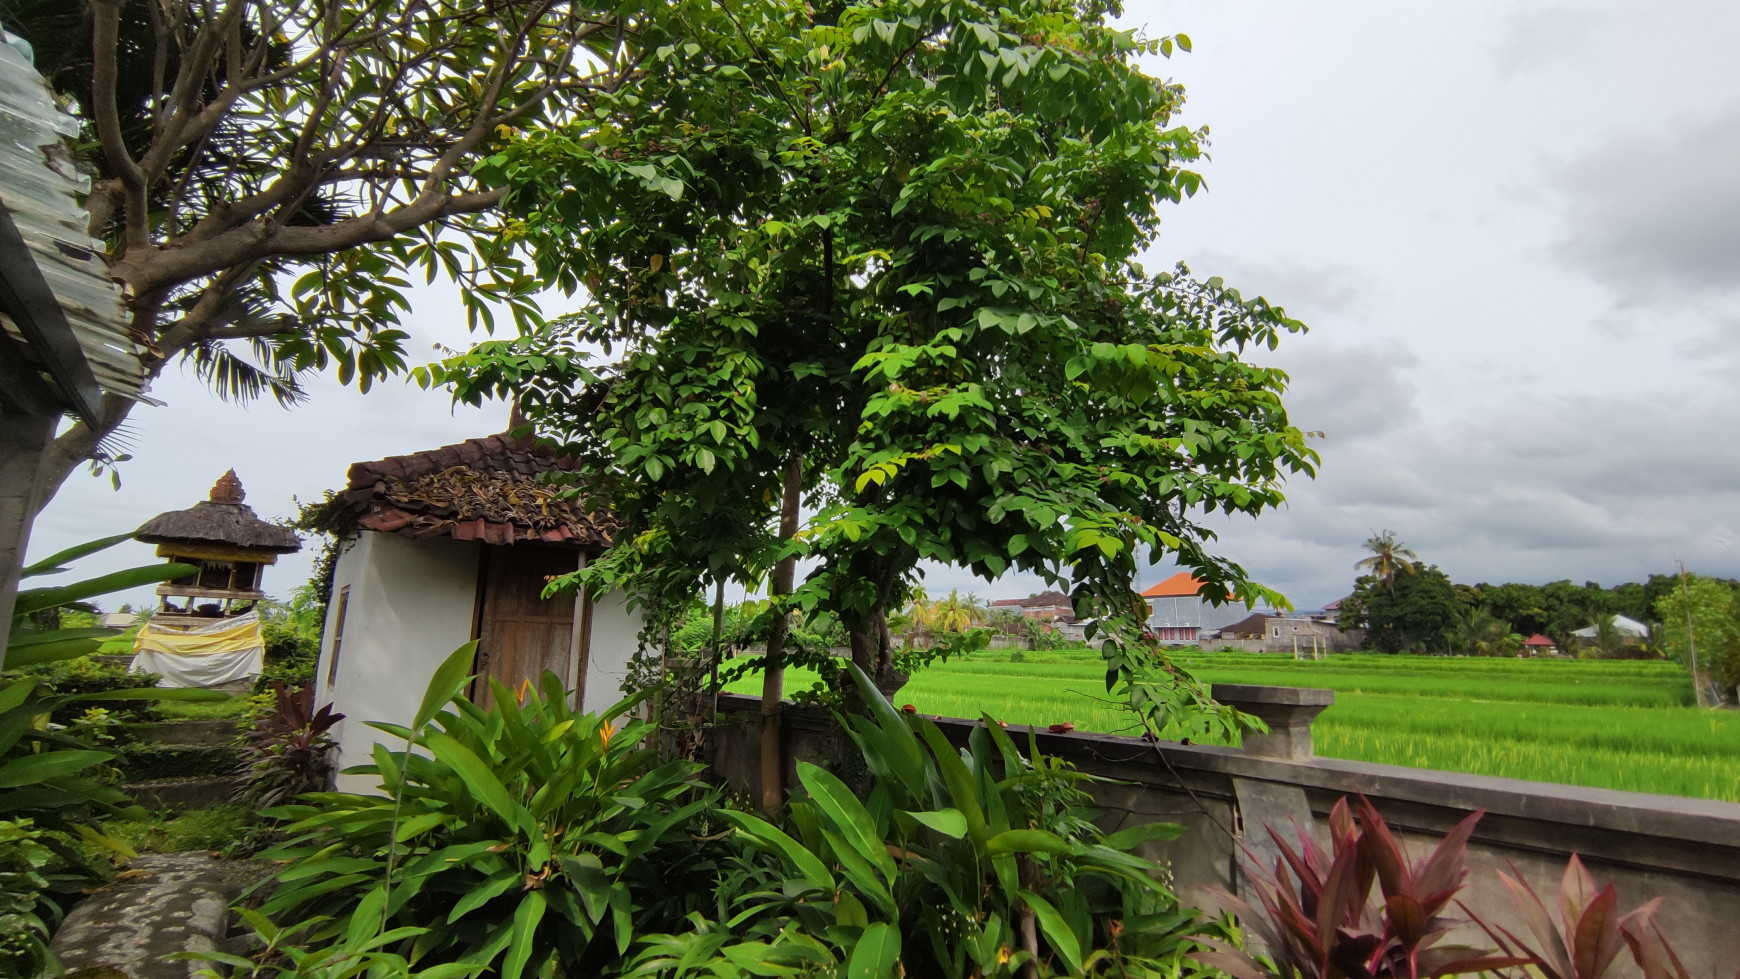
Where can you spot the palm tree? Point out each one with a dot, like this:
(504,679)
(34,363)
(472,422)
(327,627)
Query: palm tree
(1480,633)
(921,614)
(958,614)
(1388,557)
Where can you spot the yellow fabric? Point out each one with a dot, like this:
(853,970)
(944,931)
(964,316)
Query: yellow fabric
(206,642)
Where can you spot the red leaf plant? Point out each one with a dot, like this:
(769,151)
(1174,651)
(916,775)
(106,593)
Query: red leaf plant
(1590,932)
(1328,926)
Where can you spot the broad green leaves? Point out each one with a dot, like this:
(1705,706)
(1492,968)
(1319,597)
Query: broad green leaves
(521,835)
(941,858)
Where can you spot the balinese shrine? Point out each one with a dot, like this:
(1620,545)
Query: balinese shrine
(206,629)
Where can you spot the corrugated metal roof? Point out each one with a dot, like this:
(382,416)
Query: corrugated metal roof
(41,188)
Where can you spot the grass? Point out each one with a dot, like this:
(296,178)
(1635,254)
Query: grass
(202,710)
(1607,724)
(212,828)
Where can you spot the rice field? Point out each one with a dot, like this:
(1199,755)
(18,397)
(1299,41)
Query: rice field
(1609,724)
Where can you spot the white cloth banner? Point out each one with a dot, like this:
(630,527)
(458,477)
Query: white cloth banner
(223,651)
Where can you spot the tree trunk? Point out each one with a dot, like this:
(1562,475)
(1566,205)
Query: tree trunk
(773,674)
(74,447)
(25,441)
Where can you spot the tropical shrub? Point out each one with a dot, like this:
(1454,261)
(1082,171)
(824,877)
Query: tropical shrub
(949,863)
(50,777)
(528,836)
(90,679)
(28,912)
(1318,918)
(1590,932)
(287,751)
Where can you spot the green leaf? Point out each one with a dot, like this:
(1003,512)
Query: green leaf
(877,953)
(16,694)
(450,677)
(525,927)
(31,769)
(37,599)
(1027,841)
(806,862)
(492,887)
(1126,839)
(55,650)
(948,822)
(484,786)
(1057,931)
(848,815)
(54,562)
(185,694)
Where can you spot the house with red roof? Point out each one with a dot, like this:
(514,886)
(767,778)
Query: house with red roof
(1047,606)
(1178,612)
(1539,645)
(454,544)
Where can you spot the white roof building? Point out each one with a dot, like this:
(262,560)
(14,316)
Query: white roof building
(1626,627)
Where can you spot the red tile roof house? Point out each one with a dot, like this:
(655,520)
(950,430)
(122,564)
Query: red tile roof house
(1179,614)
(1539,645)
(454,544)
(1047,606)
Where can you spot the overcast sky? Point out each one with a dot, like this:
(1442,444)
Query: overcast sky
(1514,229)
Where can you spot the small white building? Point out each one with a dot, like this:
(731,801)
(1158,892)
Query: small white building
(454,544)
(1626,626)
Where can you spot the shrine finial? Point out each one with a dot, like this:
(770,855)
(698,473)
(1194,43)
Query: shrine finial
(228,489)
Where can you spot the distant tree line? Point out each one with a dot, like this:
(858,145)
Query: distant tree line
(1421,609)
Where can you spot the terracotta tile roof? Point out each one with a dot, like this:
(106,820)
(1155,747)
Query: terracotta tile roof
(1045,599)
(486,489)
(1538,640)
(1179,585)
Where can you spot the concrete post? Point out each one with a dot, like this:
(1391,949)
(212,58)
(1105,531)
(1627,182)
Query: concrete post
(1288,711)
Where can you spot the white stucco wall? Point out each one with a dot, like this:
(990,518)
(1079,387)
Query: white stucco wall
(615,632)
(410,605)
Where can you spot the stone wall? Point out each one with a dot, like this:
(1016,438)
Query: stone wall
(1686,851)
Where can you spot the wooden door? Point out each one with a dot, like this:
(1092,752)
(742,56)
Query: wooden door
(520,634)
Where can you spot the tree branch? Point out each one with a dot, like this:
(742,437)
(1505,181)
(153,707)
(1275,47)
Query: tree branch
(105,39)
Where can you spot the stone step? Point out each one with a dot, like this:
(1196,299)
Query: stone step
(213,732)
(182,794)
(150,762)
(161,904)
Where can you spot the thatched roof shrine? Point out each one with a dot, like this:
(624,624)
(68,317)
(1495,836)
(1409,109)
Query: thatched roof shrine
(223,521)
(489,489)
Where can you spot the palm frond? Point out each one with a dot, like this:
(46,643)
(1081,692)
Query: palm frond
(237,379)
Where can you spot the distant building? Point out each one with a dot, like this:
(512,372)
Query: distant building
(1308,633)
(1179,613)
(1047,606)
(1539,645)
(1302,632)
(1631,629)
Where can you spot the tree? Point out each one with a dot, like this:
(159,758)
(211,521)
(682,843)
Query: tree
(1388,557)
(897,243)
(958,613)
(1479,633)
(1416,611)
(1704,613)
(268,174)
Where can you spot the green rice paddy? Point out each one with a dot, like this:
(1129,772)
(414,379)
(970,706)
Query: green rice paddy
(1608,723)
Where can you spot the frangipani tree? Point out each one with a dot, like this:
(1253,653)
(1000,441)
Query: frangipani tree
(885,255)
